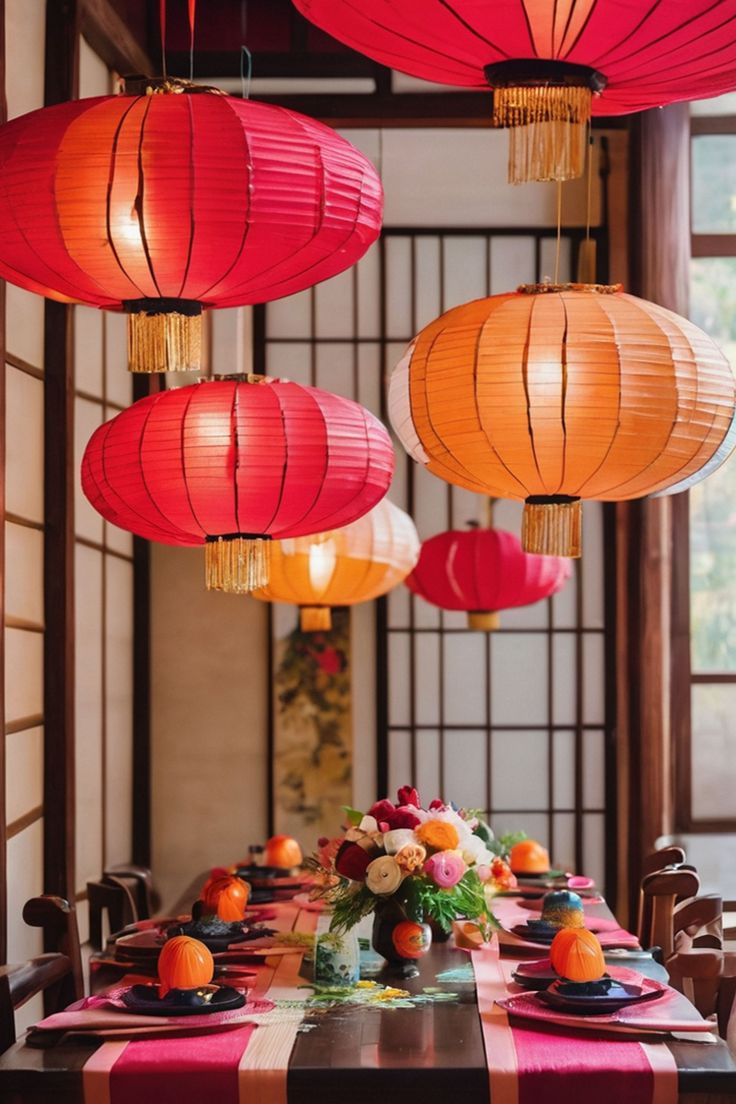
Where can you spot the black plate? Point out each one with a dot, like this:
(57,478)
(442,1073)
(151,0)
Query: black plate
(535,975)
(217,942)
(562,995)
(533,935)
(145,1000)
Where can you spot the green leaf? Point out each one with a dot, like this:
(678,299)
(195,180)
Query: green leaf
(353,815)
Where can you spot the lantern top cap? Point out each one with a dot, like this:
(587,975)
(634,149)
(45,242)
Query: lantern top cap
(137,84)
(543,73)
(546,289)
(241,377)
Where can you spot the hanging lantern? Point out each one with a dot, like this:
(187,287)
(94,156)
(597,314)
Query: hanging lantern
(178,199)
(234,462)
(484,571)
(342,567)
(550,65)
(556,393)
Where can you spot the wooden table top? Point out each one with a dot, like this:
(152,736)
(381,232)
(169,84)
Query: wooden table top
(366,1054)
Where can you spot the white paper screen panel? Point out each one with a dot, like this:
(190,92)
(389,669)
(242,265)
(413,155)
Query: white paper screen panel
(514,723)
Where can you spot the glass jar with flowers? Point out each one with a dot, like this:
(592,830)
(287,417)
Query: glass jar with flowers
(416,869)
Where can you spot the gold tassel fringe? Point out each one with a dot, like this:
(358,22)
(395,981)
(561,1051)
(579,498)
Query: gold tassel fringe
(484,620)
(552,528)
(315,618)
(237,565)
(548,129)
(166,342)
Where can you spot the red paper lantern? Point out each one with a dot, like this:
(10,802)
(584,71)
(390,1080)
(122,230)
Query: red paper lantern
(231,463)
(484,571)
(548,62)
(163,204)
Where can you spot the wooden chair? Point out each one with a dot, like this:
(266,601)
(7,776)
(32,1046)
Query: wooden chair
(113,898)
(139,881)
(57,974)
(660,892)
(698,923)
(658,860)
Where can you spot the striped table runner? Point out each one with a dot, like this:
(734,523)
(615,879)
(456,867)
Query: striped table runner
(243,1065)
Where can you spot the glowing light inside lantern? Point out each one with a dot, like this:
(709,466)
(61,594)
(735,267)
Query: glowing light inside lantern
(322,563)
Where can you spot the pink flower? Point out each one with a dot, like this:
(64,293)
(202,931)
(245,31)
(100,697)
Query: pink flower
(409,796)
(446,868)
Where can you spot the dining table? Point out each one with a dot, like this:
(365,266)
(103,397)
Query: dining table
(432,1051)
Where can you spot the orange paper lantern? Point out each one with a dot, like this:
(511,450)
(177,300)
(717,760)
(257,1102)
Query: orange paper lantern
(576,954)
(184,963)
(283,852)
(225,897)
(529,857)
(411,940)
(343,566)
(557,393)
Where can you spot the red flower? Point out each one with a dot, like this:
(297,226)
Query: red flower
(351,861)
(436,803)
(330,661)
(386,812)
(381,810)
(403,818)
(409,796)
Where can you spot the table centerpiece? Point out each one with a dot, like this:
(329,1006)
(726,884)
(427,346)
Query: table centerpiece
(416,869)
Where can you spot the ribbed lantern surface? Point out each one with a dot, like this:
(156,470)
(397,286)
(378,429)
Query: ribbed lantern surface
(232,464)
(484,571)
(548,61)
(344,566)
(557,393)
(168,203)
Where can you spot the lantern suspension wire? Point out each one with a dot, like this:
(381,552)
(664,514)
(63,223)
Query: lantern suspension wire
(162,24)
(559,231)
(245,77)
(192,21)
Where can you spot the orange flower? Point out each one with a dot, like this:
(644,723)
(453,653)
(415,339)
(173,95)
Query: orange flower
(438,834)
(410,857)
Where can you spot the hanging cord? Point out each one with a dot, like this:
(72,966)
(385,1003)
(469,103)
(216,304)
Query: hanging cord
(589,198)
(162,24)
(559,232)
(192,19)
(245,77)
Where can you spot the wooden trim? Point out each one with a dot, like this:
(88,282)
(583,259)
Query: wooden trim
(24,724)
(112,40)
(707,677)
(16,519)
(61,83)
(141,796)
(24,366)
(23,822)
(98,400)
(3,469)
(712,124)
(713,245)
(12,622)
(680,704)
(104,549)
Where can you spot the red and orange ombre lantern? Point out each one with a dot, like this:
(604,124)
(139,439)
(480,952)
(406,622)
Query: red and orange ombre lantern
(174,200)
(483,571)
(557,393)
(231,463)
(184,963)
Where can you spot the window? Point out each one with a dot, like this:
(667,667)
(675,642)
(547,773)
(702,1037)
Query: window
(704,703)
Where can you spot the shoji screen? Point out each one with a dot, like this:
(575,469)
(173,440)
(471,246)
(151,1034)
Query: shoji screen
(514,723)
(24,520)
(103,597)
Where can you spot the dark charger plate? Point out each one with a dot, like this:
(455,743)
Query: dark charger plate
(568,996)
(182,1002)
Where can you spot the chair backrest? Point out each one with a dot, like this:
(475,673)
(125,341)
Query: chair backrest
(658,860)
(139,881)
(50,974)
(661,891)
(113,898)
(58,920)
(698,922)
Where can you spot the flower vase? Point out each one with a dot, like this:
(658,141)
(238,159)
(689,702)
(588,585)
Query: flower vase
(385,920)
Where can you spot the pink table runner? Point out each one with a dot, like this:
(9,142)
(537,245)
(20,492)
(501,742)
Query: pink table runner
(240,1065)
(509,912)
(526,1065)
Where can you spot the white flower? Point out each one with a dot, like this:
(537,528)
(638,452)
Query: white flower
(397,838)
(474,851)
(368,824)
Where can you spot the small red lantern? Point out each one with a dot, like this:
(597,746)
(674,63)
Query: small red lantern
(177,199)
(232,463)
(484,571)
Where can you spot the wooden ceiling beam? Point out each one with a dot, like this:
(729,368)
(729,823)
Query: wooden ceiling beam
(111,39)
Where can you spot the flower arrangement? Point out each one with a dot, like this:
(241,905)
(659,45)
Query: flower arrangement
(435,864)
